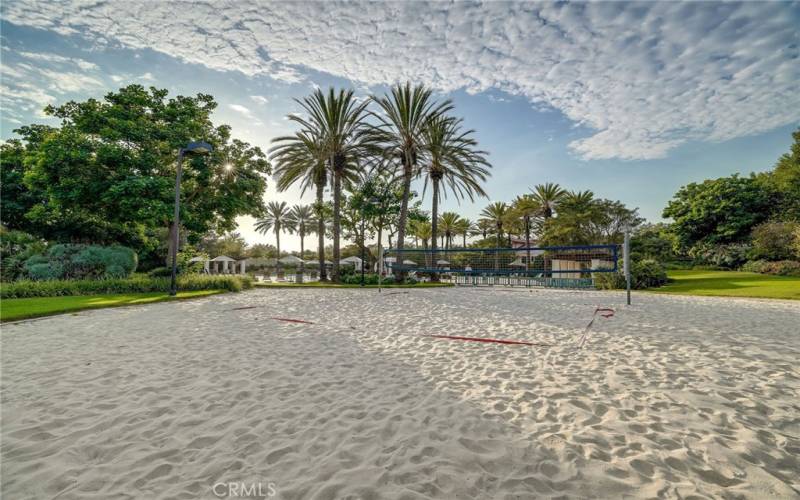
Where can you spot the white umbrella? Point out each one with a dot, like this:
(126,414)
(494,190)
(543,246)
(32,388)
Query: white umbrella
(409,263)
(291,259)
(517,263)
(441,262)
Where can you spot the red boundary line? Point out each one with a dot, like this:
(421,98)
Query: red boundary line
(494,341)
(290,320)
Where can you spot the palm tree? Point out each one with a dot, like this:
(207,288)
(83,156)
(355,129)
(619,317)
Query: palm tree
(422,230)
(526,207)
(276,218)
(548,196)
(450,224)
(495,214)
(408,111)
(464,227)
(302,219)
(302,158)
(453,161)
(339,119)
(578,201)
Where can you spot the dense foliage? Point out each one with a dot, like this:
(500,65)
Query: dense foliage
(76,261)
(107,173)
(646,273)
(16,247)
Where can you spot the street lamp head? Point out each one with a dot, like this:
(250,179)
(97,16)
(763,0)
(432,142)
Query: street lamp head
(199,148)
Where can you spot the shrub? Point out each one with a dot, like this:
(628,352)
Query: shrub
(646,273)
(137,284)
(778,268)
(82,262)
(730,256)
(15,248)
(774,241)
(754,266)
(160,272)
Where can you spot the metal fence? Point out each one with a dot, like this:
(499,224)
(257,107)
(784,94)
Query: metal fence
(558,266)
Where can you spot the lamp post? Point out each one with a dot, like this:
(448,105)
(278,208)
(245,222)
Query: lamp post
(193,148)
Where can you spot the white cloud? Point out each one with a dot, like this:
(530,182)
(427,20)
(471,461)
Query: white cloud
(260,99)
(644,77)
(241,110)
(57,59)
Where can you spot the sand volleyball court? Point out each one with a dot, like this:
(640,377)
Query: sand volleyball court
(673,397)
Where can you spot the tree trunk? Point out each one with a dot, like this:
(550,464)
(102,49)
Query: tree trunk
(323,273)
(401,229)
(434,222)
(302,251)
(464,240)
(278,246)
(337,203)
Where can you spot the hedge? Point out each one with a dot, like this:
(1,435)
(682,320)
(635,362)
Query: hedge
(137,284)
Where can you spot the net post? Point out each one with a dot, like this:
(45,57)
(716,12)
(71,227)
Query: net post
(380,266)
(626,262)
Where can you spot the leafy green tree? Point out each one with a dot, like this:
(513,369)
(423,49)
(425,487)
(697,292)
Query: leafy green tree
(786,180)
(407,112)
(719,211)
(107,174)
(654,241)
(775,241)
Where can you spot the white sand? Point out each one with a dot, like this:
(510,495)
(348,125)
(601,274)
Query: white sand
(672,397)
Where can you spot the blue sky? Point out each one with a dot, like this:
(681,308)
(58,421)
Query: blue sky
(630,100)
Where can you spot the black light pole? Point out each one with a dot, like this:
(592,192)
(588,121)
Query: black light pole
(198,148)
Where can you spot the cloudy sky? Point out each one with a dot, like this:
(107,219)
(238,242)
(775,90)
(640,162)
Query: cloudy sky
(630,100)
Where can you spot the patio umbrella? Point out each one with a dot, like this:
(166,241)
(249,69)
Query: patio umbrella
(409,262)
(441,262)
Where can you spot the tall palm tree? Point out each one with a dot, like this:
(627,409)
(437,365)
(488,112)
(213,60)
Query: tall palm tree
(548,196)
(464,228)
(453,164)
(527,208)
(302,158)
(495,214)
(407,112)
(450,224)
(302,219)
(339,119)
(276,218)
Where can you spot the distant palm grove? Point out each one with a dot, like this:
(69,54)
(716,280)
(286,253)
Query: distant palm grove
(105,176)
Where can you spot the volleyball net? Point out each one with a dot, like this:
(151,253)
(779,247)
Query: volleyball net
(557,266)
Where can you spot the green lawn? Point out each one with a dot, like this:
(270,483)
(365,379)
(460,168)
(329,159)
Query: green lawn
(731,284)
(318,284)
(14,309)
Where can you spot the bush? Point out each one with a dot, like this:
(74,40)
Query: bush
(160,272)
(778,268)
(369,279)
(646,273)
(730,256)
(15,248)
(775,241)
(82,262)
(137,284)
